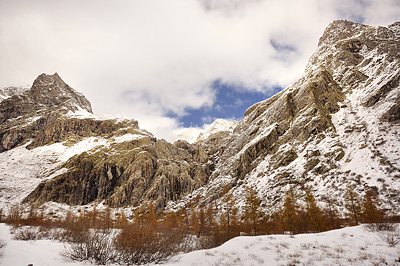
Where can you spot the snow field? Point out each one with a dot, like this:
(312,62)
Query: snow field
(347,246)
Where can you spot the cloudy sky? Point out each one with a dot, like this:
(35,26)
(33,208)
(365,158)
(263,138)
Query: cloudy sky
(172,63)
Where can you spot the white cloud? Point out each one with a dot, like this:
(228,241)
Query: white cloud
(382,12)
(148,58)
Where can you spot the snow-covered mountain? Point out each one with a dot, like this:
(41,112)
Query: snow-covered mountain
(337,125)
(7,92)
(195,134)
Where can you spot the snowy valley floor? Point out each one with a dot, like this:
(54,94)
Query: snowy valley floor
(348,246)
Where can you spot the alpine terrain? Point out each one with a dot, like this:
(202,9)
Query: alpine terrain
(337,126)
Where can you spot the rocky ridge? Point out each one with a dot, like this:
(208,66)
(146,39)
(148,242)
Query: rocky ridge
(337,125)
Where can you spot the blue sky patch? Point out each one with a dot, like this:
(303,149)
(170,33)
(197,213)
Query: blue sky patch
(231,103)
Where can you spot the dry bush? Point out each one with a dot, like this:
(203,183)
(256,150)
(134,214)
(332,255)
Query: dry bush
(144,244)
(93,246)
(387,232)
(176,237)
(2,247)
(27,233)
(214,238)
(378,227)
(392,238)
(132,245)
(52,233)
(74,231)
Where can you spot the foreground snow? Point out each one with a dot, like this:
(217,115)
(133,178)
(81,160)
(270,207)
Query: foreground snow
(348,246)
(38,253)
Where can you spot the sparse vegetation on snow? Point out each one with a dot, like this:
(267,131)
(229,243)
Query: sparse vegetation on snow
(348,246)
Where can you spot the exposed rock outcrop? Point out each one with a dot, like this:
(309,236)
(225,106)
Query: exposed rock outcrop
(127,173)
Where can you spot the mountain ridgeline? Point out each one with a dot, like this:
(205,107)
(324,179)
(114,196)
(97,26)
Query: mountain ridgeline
(338,125)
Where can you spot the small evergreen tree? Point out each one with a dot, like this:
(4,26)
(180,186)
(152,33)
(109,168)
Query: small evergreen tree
(277,223)
(106,219)
(198,219)
(290,213)
(139,215)
(352,204)
(314,215)
(211,213)
(252,209)
(228,216)
(370,211)
(150,214)
(331,213)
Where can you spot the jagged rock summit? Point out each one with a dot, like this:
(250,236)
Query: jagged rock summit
(48,93)
(51,90)
(26,111)
(338,125)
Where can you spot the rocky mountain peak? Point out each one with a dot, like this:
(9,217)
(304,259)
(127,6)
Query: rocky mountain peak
(52,90)
(23,115)
(339,30)
(45,79)
(48,94)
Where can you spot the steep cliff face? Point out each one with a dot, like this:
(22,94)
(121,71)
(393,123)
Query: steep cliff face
(337,125)
(124,173)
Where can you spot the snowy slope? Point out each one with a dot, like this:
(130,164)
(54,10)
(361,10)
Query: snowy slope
(42,252)
(195,134)
(371,146)
(7,92)
(348,246)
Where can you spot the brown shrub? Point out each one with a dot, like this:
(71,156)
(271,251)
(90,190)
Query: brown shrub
(27,233)
(146,244)
(93,246)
